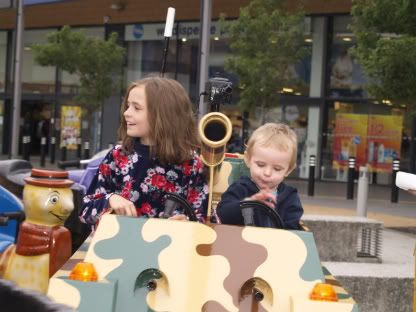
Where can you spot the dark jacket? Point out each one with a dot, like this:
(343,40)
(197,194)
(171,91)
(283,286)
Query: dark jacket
(288,205)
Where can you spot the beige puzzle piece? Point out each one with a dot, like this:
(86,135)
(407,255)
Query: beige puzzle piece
(102,266)
(282,273)
(205,275)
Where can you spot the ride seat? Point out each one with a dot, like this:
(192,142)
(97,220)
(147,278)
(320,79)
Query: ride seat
(229,171)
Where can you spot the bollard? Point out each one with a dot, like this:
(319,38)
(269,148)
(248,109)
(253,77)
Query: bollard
(42,151)
(86,150)
(394,188)
(79,148)
(26,147)
(350,182)
(63,151)
(362,192)
(311,180)
(53,143)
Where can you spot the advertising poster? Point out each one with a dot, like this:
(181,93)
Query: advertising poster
(384,141)
(350,140)
(70,126)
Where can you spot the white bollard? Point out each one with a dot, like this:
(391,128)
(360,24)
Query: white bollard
(362,193)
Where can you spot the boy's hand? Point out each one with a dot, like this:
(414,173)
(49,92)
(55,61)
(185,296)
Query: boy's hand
(122,206)
(266,197)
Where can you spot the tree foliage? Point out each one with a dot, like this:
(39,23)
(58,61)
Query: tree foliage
(386,47)
(96,61)
(266,40)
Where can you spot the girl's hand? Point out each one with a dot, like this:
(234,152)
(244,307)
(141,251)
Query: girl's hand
(122,206)
(264,196)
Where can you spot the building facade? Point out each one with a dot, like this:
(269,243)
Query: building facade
(333,115)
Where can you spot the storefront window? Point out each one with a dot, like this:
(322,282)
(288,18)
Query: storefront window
(347,79)
(35,78)
(3,54)
(145,51)
(70,82)
(372,133)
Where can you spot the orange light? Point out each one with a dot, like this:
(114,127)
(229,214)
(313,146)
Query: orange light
(84,271)
(323,292)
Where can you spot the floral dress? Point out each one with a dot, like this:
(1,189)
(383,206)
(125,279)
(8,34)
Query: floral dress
(144,181)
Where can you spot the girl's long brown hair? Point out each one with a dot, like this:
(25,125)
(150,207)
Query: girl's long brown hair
(172,121)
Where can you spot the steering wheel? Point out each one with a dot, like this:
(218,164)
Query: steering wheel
(247,210)
(173,202)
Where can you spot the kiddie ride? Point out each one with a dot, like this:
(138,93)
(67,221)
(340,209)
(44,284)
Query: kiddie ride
(166,265)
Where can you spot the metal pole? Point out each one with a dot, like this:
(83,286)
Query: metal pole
(394,188)
(17,96)
(311,180)
(170,18)
(165,55)
(350,182)
(362,192)
(206,8)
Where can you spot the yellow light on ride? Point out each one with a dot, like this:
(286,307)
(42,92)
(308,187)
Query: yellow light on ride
(84,272)
(323,292)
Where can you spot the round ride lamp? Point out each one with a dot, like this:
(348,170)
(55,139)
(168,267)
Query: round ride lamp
(323,292)
(84,272)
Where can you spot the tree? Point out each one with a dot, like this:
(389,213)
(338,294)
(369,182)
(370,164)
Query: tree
(266,41)
(97,62)
(386,47)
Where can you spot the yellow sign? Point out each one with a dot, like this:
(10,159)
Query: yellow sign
(70,126)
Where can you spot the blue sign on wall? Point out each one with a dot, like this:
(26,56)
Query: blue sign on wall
(30,2)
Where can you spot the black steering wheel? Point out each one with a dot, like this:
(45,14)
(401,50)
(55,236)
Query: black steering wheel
(173,202)
(247,210)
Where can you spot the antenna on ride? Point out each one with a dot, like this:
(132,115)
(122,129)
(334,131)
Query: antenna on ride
(170,17)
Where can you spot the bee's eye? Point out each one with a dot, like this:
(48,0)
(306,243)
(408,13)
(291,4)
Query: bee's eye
(54,199)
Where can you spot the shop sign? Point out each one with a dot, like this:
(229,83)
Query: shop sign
(384,141)
(70,126)
(350,139)
(188,30)
(374,140)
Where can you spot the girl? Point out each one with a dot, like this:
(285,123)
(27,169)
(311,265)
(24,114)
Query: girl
(158,136)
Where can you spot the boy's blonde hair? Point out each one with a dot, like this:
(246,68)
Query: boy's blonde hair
(277,135)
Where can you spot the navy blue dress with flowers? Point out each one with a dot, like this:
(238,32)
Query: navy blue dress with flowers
(144,181)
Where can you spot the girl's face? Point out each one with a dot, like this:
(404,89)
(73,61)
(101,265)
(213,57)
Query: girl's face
(136,115)
(268,166)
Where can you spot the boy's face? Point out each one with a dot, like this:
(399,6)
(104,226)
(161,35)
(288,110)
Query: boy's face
(268,166)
